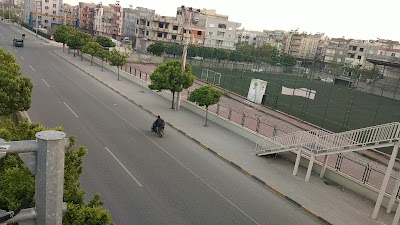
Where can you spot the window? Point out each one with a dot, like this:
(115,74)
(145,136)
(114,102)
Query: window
(148,23)
(137,21)
(212,25)
(359,57)
(175,27)
(54,5)
(136,30)
(220,34)
(221,25)
(54,12)
(159,34)
(393,55)
(173,37)
(230,28)
(199,32)
(46,21)
(361,49)
(46,7)
(165,35)
(161,25)
(54,19)
(147,33)
(210,33)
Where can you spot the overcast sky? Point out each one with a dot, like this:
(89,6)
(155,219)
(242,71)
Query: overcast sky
(358,19)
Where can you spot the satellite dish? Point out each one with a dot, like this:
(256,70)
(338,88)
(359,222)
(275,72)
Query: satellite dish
(131,6)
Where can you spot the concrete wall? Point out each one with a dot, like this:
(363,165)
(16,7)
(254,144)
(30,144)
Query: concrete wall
(347,182)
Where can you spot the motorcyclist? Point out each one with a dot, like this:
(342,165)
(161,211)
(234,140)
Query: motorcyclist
(23,36)
(158,123)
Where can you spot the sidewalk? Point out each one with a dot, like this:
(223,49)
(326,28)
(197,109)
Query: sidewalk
(329,202)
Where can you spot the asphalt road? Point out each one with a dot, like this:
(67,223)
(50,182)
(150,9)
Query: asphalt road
(142,178)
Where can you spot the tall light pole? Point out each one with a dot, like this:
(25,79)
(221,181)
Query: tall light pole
(187,24)
(38,4)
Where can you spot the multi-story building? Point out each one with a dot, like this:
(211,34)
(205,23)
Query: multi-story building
(86,16)
(136,26)
(43,7)
(71,13)
(220,32)
(108,21)
(304,46)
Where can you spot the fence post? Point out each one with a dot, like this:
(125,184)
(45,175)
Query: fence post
(130,69)
(140,74)
(275,131)
(145,78)
(135,72)
(243,119)
(258,125)
(230,113)
(218,108)
(49,177)
(347,115)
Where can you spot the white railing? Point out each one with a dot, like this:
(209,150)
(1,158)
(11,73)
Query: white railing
(360,137)
(266,145)
(317,141)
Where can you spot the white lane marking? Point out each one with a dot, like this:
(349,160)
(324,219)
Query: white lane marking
(15,50)
(165,151)
(3,37)
(71,110)
(124,167)
(36,52)
(46,83)
(22,57)
(32,68)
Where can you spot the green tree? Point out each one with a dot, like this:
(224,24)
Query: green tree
(206,52)
(103,54)
(173,49)
(106,42)
(205,96)
(17,182)
(287,60)
(92,48)
(267,52)
(168,76)
(193,51)
(221,54)
(157,48)
(118,59)
(63,33)
(15,91)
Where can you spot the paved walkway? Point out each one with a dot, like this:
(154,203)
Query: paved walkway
(335,205)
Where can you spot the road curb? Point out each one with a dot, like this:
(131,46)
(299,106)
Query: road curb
(225,159)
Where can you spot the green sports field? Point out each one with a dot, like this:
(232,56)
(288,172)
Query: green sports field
(335,108)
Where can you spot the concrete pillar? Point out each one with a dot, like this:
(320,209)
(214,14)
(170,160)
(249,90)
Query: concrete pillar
(310,166)
(296,165)
(396,216)
(49,177)
(385,181)
(323,168)
(394,194)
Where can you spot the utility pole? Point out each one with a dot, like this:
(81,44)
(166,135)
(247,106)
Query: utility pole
(187,25)
(37,18)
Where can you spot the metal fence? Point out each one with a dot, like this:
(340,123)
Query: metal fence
(336,108)
(364,171)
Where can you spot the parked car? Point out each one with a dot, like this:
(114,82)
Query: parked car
(257,70)
(18,42)
(327,80)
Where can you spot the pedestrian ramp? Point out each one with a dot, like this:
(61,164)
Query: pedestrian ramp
(319,142)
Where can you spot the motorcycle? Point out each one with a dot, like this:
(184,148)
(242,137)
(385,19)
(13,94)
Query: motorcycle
(158,130)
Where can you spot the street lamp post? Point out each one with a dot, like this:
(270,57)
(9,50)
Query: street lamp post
(186,41)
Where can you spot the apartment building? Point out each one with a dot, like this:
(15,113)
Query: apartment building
(136,26)
(193,24)
(220,32)
(43,7)
(304,46)
(72,12)
(108,21)
(86,13)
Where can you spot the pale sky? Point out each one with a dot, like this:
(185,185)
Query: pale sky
(358,19)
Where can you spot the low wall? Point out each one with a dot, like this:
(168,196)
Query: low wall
(347,182)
